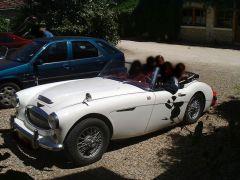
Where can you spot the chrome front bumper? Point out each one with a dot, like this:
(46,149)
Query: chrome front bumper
(34,137)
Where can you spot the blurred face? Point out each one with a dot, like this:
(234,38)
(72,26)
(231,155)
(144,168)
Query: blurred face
(160,61)
(168,72)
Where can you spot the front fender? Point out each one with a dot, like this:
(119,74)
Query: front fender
(71,115)
(195,87)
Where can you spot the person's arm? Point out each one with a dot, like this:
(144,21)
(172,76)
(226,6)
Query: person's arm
(171,86)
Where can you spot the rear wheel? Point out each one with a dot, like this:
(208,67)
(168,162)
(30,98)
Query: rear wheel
(7,93)
(194,109)
(87,141)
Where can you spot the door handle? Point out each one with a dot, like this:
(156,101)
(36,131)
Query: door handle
(181,95)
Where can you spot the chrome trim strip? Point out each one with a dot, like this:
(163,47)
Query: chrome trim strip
(129,109)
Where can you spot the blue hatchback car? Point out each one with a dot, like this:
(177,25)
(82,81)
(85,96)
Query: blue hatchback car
(55,59)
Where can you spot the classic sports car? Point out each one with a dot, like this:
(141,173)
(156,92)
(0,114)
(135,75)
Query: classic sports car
(82,116)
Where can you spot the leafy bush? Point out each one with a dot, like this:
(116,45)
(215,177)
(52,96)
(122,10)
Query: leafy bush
(72,17)
(125,9)
(4,24)
(159,20)
(150,19)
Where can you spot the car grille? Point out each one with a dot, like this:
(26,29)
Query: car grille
(38,117)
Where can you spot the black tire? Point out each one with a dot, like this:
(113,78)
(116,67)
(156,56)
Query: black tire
(80,130)
(192,114)
(7,91)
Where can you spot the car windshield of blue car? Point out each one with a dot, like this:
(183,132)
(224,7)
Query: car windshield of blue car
(129,74)
(25,53)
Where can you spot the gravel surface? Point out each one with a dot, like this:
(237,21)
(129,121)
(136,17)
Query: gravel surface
(182,152)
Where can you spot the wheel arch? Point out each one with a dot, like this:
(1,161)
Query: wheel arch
(12,80)
(93,115)
(204,97)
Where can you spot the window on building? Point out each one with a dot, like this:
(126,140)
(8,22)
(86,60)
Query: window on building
(194,17)
(224,18)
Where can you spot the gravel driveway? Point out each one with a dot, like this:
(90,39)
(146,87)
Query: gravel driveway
(188,152)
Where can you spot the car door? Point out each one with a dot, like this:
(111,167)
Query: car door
(131,113)
(168,110)
(52,64)
(86,60)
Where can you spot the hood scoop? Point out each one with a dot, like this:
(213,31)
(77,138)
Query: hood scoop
(44,99)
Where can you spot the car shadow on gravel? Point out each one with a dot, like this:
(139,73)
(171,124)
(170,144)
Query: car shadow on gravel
(214,155)
(40,159)
(98,173)
(119,144)
(44,160)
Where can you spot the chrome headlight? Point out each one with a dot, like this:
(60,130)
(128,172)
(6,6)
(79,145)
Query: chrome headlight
(53,121)
(15,101)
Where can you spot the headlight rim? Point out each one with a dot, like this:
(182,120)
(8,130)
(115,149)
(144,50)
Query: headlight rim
(16,101)
(53,121)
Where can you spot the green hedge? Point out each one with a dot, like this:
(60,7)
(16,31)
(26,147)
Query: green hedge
(4,24)
(158,19)
(150,19)
(70,17)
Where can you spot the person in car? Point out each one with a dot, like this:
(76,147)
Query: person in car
(136,73)
(159,60)
(179,71)
(167,80)
(150,65)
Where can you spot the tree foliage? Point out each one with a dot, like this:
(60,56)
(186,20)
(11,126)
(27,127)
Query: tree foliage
(4,24)
(75,17)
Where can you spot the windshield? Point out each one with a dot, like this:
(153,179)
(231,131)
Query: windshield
(128,73)
(26,53)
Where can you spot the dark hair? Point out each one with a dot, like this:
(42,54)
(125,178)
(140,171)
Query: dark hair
(179,70)
(150,64)
(135,69)
(159,60)
(167,69)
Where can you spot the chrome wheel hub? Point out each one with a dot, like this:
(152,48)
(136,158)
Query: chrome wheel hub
(194,109)
(6,95)
(90,142)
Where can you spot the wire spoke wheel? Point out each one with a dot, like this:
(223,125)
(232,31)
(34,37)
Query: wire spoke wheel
(194,109)
(90,142)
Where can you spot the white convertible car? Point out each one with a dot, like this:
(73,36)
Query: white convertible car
(82,116)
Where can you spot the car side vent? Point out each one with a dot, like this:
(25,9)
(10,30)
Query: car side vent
(44,99)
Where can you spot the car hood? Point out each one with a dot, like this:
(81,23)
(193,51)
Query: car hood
(74,92)
(6,64)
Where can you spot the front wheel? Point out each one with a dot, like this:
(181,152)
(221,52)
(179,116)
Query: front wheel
(87,141)
(194,109)
(7,93)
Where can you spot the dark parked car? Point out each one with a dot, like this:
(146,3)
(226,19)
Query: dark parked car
(51,60)
(11,40)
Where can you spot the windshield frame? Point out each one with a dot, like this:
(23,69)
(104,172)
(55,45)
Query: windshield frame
(130,81)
